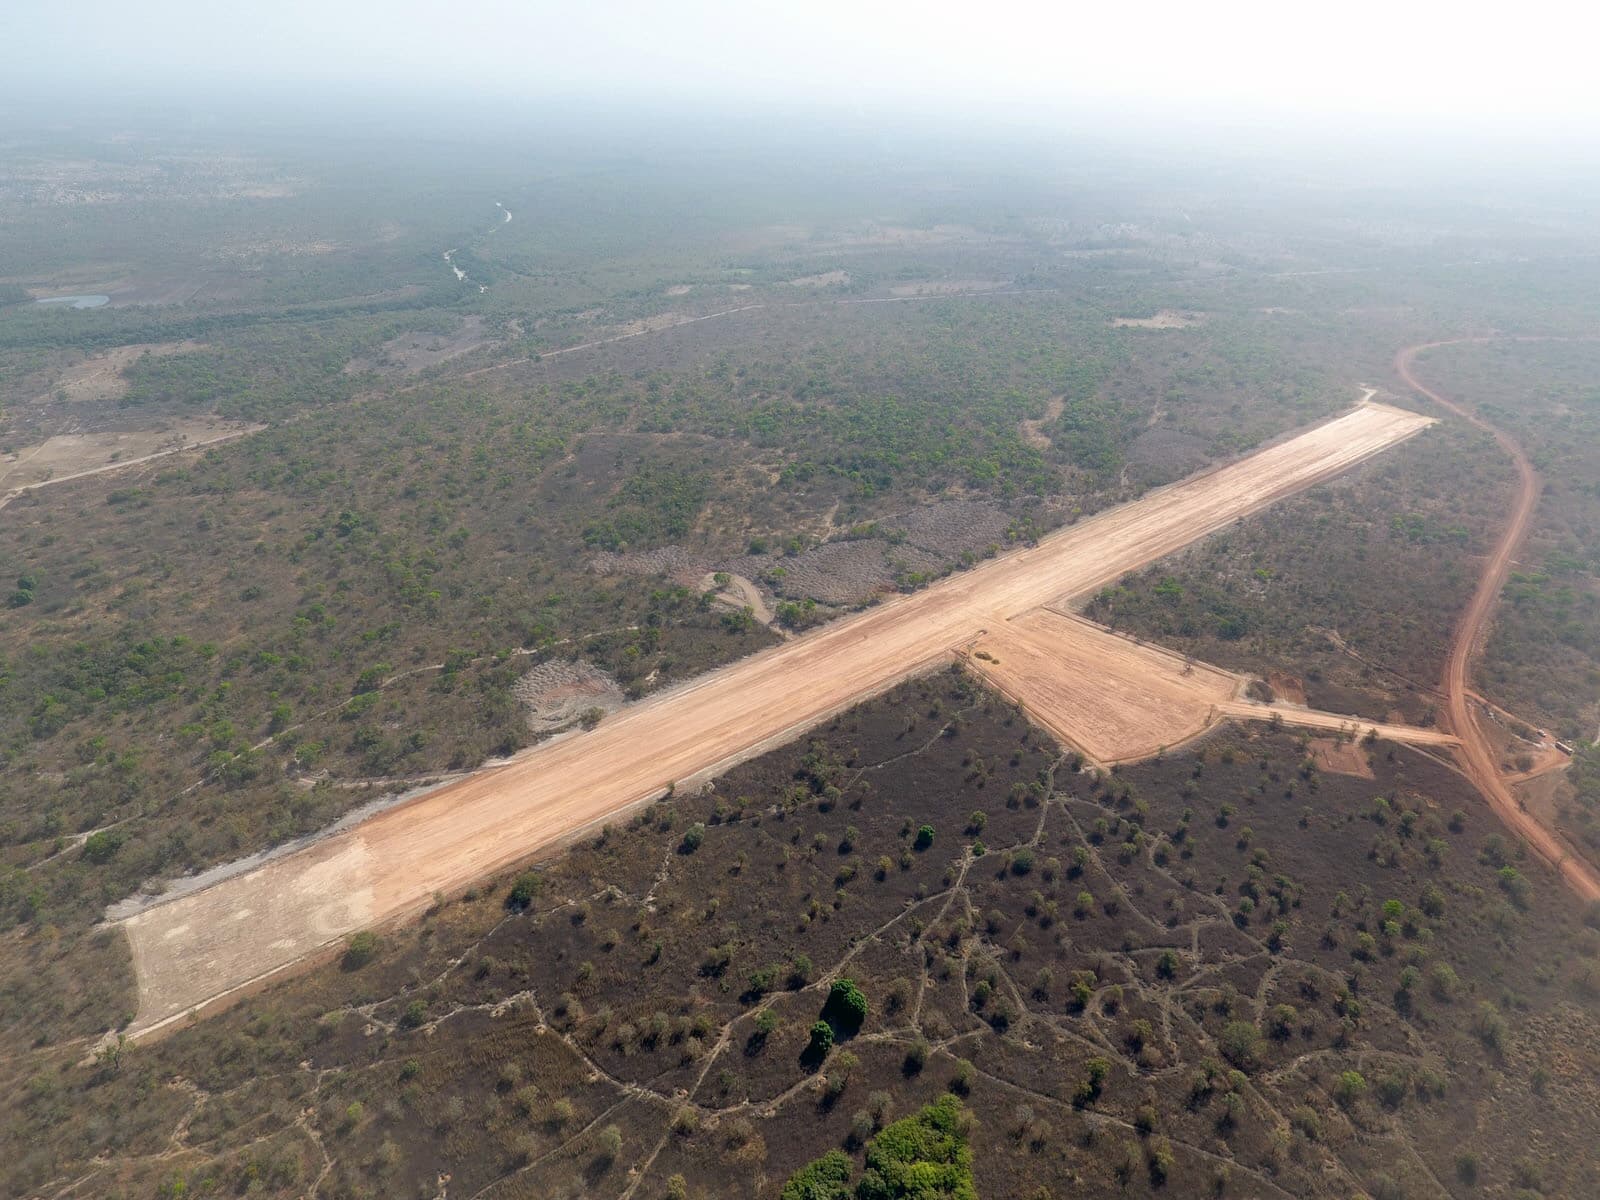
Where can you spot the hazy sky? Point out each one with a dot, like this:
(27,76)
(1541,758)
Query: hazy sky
(1358,62)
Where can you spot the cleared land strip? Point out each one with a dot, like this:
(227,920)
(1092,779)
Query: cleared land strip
(209,944)
(1104,694)
(1117,700)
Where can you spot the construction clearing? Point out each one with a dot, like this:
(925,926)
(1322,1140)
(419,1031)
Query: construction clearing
(1120,700)
(1117,700)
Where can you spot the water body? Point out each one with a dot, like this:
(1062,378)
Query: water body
(77,301)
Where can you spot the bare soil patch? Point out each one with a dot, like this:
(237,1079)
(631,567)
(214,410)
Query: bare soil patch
(1287,687)
(850,572)
(100,376)
(675,562)
(739,592)
(73,454)
(1033,431)
(413,352)
(213,943)
(822,280)
(947,287)
(1340,757)
(560,694)
(1113,698)
(1167,318)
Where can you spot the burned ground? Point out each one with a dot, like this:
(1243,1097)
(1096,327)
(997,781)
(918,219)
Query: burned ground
(1221,970)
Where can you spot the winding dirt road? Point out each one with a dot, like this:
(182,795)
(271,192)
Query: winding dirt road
(1477,756)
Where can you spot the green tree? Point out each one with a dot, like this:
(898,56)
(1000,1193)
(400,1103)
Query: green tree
(846,1007)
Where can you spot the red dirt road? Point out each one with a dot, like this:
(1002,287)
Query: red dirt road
(1477,755)
(198,948)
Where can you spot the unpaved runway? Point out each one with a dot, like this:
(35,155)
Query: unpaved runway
(207,944)
(1478,756)
(1118,700)
(1097,691)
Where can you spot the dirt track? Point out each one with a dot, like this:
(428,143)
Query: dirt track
(210,943)
(1477,755)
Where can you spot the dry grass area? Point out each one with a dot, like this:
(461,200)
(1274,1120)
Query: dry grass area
(1340,756)
(202,946)
(100,377)
(824,279)
(413,352)
(70,455)
(1107,695)
(947,287)
(1033,431)
(1165,319)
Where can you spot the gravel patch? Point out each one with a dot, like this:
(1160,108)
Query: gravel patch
(558,694)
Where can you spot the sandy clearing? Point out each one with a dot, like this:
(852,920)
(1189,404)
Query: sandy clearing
(740,592)
(100,376)
(1165,319)
(1340,757)
(1357,727)
(1033,430)
(825,279)
(1107,695)
(948,287)
(1117,699)
(189,952)
(75,455)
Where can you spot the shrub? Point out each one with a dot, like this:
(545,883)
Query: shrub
(361,949)
(917,1056)
(102,845)
(1349,1089)
(524,891)
(846,1007)
(821,1039)
(823,1177)
(1240,1043)
(1160,1161)
(961,1081)
(1094,1083)
(610,1145)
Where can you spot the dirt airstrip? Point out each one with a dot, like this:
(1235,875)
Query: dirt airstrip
(203,946)
(1117,699)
